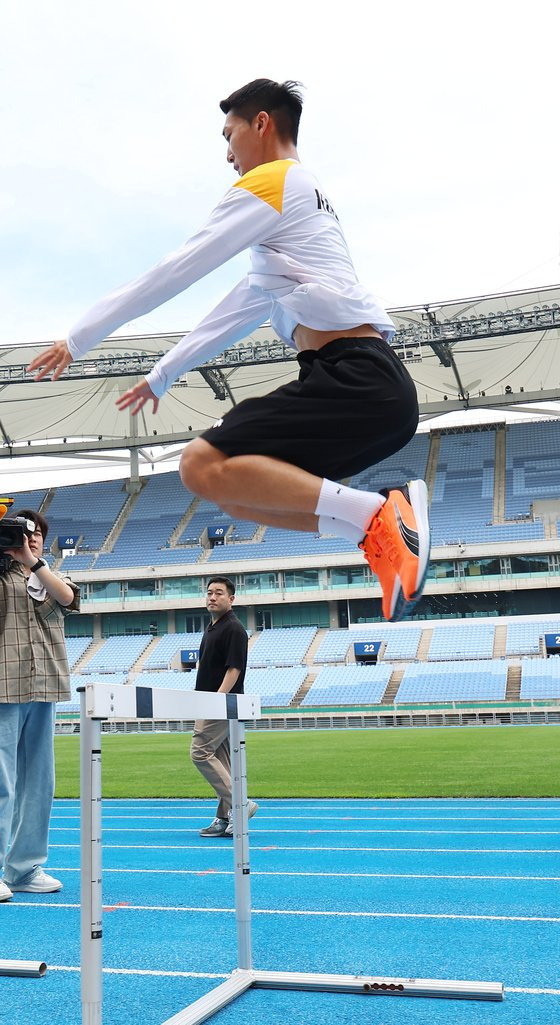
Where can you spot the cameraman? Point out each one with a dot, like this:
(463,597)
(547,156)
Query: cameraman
(33,676)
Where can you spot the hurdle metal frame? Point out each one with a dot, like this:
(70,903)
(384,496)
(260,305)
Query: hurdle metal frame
(27,969)
(99,702)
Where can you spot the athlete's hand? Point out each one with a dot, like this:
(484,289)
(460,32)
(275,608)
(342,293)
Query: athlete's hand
(55,358)
(137,397)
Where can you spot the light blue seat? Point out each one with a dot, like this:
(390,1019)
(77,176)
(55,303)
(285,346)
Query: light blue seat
(284,646)
(540,678)
(169,679)
(168,647)
(460,681)
(352,684)
(449,643)
(118,653)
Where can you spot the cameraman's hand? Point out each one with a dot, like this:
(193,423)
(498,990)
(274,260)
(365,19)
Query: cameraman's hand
(55,358)
(23,554)
(137,397)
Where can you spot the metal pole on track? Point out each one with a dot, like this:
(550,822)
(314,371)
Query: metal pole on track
(91,897)
(242,871)
(30,969)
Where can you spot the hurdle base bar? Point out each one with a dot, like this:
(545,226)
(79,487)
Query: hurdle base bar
(27,969)
(366,985)
(377,985)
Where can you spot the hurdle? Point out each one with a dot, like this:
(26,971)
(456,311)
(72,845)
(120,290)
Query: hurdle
(100,702)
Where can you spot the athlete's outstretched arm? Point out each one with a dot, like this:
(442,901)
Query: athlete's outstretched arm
(232,319)
(239,221)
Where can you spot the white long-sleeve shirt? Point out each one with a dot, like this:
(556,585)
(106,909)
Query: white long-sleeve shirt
(301,273)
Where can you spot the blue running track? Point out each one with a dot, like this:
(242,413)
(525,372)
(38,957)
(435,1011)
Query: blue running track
(427,888)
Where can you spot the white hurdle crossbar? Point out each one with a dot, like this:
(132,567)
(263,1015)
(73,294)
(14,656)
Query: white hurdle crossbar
(100,702)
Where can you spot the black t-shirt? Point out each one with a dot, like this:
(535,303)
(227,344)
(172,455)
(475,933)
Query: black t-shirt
(223,646)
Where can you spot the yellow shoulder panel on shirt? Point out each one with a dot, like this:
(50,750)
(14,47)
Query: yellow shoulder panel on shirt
(266,182)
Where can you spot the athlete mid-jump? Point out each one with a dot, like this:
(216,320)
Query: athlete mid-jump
(277,459)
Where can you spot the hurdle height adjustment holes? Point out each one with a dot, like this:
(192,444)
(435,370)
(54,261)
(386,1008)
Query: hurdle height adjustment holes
(383,987)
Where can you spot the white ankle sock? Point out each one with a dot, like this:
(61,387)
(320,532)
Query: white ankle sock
(330,525)
(348,504)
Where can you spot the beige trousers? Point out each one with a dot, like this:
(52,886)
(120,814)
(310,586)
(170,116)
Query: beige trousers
(211,755)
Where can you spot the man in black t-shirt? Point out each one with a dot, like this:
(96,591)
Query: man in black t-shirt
(221,669)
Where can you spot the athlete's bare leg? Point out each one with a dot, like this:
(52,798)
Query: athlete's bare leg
(265,489)
(290,521)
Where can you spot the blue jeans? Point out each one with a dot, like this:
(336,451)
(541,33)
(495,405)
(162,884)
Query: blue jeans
(26,786)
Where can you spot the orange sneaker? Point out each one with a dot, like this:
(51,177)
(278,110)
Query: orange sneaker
(397,547)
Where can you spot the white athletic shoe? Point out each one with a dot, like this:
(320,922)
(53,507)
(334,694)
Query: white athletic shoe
(39,883)
(216,828)
(252,808)
(5,892)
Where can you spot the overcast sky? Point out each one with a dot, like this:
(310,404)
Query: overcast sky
(432,127)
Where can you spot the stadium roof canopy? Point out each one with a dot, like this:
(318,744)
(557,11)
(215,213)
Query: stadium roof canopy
(495,351)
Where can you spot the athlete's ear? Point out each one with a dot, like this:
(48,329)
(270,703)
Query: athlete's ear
(262,121)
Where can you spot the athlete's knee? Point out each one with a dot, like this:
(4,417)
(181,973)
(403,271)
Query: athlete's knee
(199,468)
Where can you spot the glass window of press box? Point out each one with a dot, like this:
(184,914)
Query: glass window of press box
(183,587)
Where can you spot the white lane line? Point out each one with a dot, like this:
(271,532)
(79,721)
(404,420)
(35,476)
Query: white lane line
(532,991)
(317,875)
(225,847)
(485,803)
(342,832)
(339,818)
(143,971)
(301,914)
(218,975)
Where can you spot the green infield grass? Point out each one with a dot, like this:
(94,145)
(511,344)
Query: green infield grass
(511,761)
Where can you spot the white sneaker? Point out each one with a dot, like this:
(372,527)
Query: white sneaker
(5,892)
(252,808)
(39,883)
(216,828)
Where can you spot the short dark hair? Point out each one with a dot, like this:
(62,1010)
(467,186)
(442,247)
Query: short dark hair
(282,100)
(38,520)
(228,584)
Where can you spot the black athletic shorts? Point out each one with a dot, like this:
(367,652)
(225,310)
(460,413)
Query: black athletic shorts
(353,404)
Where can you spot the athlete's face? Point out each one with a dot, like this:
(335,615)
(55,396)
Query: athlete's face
(245,141)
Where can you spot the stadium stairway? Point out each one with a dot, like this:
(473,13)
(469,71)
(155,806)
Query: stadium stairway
(185,519)
(252,640)
(513,687)
(93,648)
(300,694)
(393,686)
(313,647)
(47,501)
(77,668)
(424,646)
(432,463)
(121,520)
(139,664)
(499,506)
(500,639)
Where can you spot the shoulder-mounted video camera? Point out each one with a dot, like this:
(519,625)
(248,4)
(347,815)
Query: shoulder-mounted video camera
(13,530)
